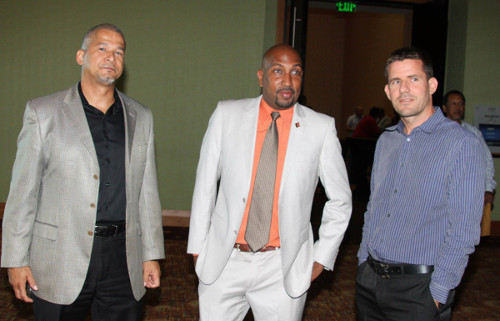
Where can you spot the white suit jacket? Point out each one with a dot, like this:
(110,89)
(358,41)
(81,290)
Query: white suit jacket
(52,204)
(227,155)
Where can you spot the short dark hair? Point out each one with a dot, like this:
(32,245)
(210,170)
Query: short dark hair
(374,112)
(107,26)
(457,92)
(410,53)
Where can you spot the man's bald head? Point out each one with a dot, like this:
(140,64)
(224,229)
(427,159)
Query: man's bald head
(275,50)
(281,76)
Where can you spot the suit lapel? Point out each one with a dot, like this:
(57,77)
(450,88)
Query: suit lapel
(249,128)
(298,129)
(129,117)
(73,110)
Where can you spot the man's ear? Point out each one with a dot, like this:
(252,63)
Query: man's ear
(79,56)
(433,85)
(260,76)
(387,93)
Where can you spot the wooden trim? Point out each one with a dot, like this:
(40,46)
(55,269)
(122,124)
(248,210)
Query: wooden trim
(280,21)
(176,218)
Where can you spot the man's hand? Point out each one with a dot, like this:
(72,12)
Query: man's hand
(437,303)
(317,269)
(195,258)
(151,274)
(489,197)
(18,278)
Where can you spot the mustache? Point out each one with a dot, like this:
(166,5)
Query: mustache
(286,89)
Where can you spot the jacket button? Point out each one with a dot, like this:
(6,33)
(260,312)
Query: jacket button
(96,177)
(90,233)
(92,205)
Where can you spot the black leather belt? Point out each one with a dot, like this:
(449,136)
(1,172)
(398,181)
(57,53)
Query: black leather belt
(387,270)
(109,230)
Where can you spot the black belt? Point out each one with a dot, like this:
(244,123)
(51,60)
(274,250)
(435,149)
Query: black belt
(109,230)
(387,270)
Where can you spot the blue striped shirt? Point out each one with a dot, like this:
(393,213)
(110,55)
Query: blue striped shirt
(427,191)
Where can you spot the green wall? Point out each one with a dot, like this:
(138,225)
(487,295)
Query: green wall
(182,57)
(473,64)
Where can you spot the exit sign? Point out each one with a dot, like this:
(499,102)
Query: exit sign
(346,6)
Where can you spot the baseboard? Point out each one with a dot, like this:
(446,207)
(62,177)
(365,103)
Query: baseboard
(176,218)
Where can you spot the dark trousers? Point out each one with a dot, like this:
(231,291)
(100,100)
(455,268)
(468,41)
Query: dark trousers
(398,298)
(107,292)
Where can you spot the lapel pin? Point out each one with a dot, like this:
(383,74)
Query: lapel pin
(297,125)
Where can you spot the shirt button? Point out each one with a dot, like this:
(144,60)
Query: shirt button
(243,200)
(395,191)
(96,177)
(92,205)
(408,139)
(90,233)
(388,215)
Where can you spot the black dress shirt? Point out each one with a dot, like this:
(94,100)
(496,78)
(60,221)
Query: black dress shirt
(108,134)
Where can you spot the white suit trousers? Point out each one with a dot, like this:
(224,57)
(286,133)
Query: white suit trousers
(250,280)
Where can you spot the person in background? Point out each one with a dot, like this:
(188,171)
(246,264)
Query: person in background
(454,108)
(367,127)
(425,207)
(354,119)
(383,121)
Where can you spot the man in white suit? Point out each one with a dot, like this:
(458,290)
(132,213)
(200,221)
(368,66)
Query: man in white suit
(82,227)
(272,278)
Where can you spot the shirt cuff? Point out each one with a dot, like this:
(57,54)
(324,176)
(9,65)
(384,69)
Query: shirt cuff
(438,292)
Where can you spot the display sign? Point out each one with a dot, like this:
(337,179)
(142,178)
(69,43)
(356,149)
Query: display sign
(487,120)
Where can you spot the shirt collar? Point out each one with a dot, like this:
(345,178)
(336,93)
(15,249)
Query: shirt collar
(428,126)
(115,108)
(265,112)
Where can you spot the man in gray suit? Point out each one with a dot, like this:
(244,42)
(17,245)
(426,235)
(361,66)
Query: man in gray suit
(82,227)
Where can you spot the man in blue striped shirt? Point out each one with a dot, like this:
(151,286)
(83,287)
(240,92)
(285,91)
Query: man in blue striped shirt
(427,190)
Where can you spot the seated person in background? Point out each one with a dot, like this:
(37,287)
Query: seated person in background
(354,120)
(454,108)
(367,127)
(383,121)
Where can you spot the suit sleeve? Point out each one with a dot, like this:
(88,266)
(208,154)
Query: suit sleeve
(205,190)
(337,210)
(149,206)
(21,206)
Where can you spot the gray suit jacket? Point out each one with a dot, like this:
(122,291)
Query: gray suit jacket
(51,208)
(227,154)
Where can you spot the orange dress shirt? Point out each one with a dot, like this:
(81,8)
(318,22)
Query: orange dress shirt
(283,123)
